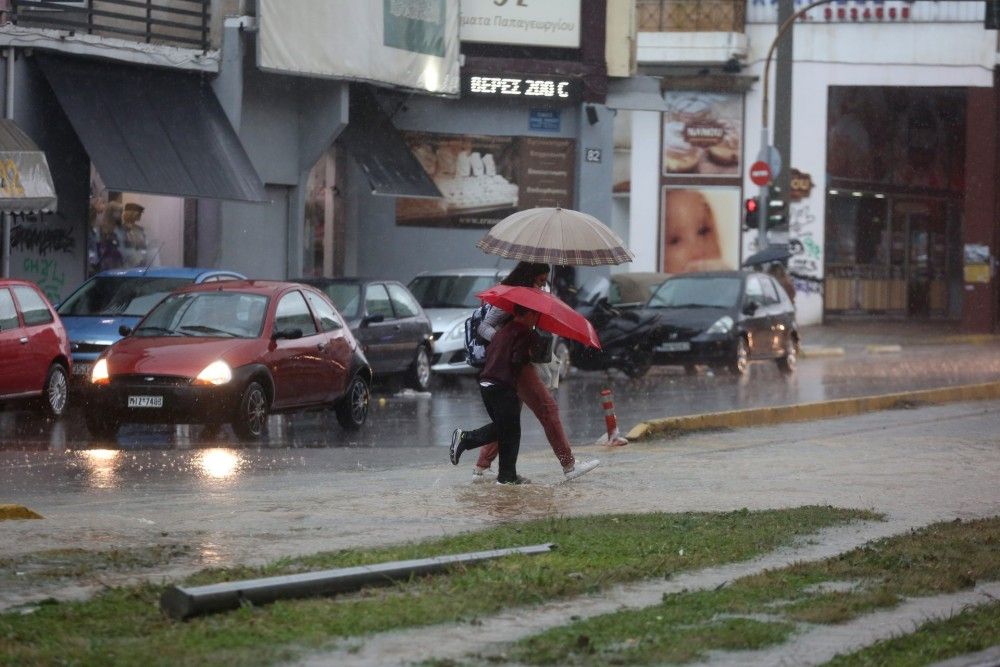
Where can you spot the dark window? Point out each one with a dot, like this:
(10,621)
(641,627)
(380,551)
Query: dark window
(697,293)
(33,307)
(8,313)
(119,295)
(293,313)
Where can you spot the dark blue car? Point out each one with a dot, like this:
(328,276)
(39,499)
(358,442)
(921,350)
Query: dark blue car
(93,313)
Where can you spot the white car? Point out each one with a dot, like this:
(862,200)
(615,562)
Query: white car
(448,298)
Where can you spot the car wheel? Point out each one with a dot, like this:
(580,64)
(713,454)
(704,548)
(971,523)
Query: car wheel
(251,414)
(787,363)
(561,354)
(419,375)
(741,358)
(101,427)
(55,392)
(352,409)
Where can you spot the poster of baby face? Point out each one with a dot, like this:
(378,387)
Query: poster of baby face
(702,134)
(700,229)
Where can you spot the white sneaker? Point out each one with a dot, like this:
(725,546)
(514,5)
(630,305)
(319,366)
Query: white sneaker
(479,474)
(578,469)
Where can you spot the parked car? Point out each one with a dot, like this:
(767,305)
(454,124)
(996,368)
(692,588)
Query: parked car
(35,359)
(387,320)
(95,310)
(231,352)
(725,319)
(449,297)
(622,290)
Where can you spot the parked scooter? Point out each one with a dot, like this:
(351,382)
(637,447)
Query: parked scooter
(627,340)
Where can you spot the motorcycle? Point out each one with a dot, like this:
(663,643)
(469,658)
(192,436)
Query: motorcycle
(627,340)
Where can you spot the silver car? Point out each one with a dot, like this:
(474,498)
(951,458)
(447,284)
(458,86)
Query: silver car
(448,298)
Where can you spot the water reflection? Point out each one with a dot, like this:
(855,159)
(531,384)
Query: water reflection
(219,464)
(102,467)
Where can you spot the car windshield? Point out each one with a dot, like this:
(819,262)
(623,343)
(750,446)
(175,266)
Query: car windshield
(119,295)
(697,293)
(346,297)
(450,291)
(210,314)
(592,289)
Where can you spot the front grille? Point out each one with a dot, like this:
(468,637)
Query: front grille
(150,380)
(89,347)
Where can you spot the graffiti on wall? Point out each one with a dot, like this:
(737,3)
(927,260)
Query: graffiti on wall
(40,248)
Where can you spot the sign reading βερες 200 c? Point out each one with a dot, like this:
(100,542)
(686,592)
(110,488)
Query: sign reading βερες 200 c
(554,89)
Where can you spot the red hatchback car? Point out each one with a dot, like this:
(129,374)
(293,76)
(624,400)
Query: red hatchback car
(231,352)
(34,348)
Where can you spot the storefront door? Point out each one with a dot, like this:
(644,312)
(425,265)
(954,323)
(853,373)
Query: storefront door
(919,253)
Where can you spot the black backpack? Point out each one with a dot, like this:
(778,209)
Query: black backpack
(475,345)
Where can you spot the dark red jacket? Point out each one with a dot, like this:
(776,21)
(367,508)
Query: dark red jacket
(507,354)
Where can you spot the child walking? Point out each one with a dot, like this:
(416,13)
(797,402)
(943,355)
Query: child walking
(506,356)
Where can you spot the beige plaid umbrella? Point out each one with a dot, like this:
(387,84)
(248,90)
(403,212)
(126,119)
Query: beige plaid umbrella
(555,236)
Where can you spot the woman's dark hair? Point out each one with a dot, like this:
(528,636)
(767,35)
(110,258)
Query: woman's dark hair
(524,274)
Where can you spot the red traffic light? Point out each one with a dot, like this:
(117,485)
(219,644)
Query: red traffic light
(750,220)
(751,206)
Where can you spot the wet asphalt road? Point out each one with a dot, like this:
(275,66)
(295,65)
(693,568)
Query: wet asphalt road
(406,427)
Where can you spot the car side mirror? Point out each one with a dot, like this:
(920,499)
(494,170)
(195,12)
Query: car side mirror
(372,319)
(124,331)
(288,334)
(750,308)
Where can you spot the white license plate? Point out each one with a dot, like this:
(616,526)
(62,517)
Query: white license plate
(673,347)
(82,369)
(145,401)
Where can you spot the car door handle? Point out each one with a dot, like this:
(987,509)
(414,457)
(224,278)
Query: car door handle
(321,346)
(23,341)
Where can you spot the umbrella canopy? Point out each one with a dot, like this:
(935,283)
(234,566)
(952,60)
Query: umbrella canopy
(555,236)
(554,315)
(772,253)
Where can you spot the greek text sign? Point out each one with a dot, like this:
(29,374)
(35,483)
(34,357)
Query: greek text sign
(532,87)
(529,22)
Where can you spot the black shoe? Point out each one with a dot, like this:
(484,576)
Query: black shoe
(516,480)
(456,449)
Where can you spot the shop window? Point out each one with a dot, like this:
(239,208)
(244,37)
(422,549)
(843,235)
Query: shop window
(322,233)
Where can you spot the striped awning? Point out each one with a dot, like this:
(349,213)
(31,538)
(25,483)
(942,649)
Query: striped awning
(25,181)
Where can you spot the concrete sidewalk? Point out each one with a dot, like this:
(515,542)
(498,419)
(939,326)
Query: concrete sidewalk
(859,335)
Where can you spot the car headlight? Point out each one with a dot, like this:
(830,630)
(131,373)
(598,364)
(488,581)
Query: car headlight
(99,374)
(722,325)
(216,373)
(457,331)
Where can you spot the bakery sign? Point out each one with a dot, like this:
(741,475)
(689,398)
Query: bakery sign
(702,134)
(552,89)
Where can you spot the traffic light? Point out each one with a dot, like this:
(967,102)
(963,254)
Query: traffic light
(777,209)
(750,220)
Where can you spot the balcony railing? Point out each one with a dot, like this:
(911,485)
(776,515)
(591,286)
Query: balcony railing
(691,15)
(184,23)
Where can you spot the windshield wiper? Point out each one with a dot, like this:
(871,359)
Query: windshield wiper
(201,328)
(169,332)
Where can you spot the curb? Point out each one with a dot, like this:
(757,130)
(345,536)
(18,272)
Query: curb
(812,352)
(844,407)
(17,512)
(883,349)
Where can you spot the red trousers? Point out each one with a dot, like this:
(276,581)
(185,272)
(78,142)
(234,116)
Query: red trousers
(533,393)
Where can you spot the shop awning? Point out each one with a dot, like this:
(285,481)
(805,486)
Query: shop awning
(639,93)
(380,150)
(25,180)
(153,130)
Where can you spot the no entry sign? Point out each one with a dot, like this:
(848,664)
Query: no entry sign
(760,173)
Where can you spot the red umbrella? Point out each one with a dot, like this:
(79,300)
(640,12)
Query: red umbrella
(554,315)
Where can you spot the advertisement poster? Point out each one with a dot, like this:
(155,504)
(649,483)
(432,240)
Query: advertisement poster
(486,178)
(702,134)
(700,229)
(408,43)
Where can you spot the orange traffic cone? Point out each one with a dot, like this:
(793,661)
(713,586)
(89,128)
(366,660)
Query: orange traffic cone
(614,437)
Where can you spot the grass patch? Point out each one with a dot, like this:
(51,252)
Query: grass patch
(971,631)
(124,625)
(942,558)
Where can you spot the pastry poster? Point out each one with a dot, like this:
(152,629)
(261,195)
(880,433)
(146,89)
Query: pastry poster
(702,134)
(486,178)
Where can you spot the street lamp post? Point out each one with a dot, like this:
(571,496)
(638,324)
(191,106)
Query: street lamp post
(765,151)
